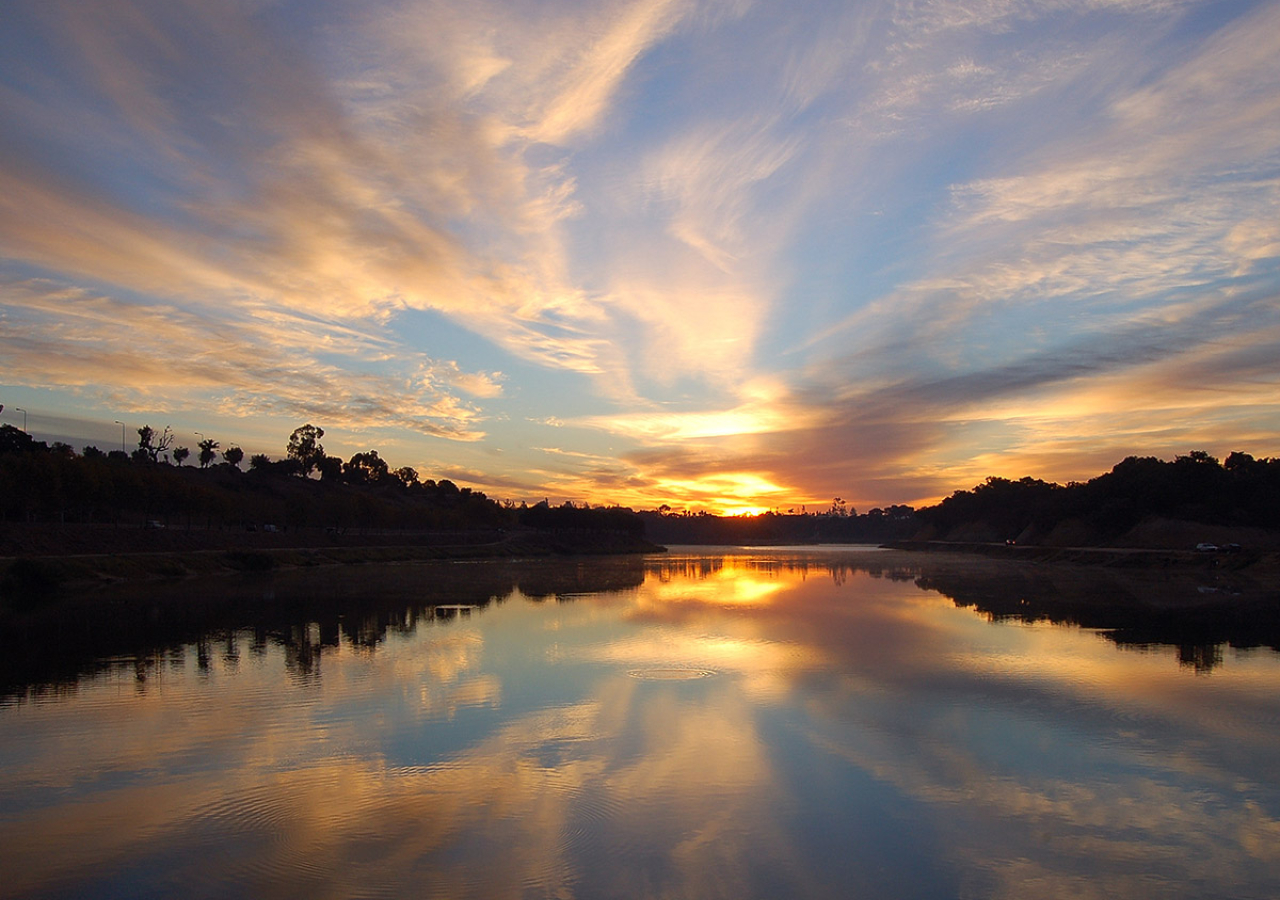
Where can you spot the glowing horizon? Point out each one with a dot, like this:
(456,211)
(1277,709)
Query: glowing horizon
(715,254)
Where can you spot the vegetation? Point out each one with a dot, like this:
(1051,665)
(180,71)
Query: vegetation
(837,525)
(39,483)
(1196,488)
(1241,492)
(307,488)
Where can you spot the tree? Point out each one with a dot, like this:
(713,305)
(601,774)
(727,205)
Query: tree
(259,462)
(207,454)
(407,475)
(233,455)
(365,468)
(180,455)
(151,444)
(330,468)
(305,448)
(15,440)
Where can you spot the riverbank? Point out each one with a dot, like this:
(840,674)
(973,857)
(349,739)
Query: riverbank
(39,561)
(1254,562)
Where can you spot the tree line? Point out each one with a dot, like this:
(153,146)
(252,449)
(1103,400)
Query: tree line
(305,488)
(1238,491)
(1241,491)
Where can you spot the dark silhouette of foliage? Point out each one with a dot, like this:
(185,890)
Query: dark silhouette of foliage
(43,483)
(570,518)
(305,448)
(152,444)
(180,454)
(875,526)
(39,483)
(1193,488)
(330,468)
(208,452)
(15,440)
(365,468)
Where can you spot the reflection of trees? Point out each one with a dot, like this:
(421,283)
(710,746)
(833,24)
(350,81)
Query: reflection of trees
(306,612)
(698,568)
(1197,620)
(1131,609)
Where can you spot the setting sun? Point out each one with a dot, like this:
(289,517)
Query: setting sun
(727,494)
(724,257)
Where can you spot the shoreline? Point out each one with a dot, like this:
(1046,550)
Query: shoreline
(1247,561)
(30,577)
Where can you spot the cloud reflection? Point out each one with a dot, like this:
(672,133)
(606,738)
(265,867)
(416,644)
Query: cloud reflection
(512,751)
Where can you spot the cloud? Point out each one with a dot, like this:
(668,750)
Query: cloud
(706,177)
(287,185)
(141,357)
(595,71)
(912,222)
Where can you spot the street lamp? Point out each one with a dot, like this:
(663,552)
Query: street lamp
(24,417)
(121,424)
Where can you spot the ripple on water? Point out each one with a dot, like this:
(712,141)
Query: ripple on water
(671,673)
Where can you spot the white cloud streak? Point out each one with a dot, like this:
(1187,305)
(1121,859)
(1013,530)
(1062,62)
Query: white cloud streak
(929,205)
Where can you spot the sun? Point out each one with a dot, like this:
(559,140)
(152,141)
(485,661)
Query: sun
(734,510)
(724,494)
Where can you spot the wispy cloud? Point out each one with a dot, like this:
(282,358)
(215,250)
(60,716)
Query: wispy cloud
(873,249)
(142,357)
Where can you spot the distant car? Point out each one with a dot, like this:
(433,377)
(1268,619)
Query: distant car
(1205,547)
(270,528)
(1230,548)
(153,524)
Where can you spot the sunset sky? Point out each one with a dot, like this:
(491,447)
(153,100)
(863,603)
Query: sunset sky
(717,254)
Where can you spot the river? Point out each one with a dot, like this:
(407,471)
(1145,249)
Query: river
(737,723)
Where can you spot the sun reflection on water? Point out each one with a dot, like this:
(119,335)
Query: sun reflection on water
(736,725)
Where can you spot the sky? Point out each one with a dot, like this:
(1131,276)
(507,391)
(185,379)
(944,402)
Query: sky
(719,254)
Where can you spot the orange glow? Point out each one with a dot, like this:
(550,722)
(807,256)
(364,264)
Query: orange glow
(731,585)
(725,494)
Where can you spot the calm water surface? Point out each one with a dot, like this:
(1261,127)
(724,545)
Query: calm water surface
(745,724)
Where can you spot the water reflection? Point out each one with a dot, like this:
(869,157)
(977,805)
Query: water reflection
(853,729)
(305,611)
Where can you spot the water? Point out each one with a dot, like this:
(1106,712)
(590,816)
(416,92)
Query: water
(764,723)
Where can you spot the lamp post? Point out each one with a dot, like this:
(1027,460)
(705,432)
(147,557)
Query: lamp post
(24,417)
(121,424)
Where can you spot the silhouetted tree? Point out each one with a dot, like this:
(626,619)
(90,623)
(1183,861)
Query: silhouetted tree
(305,448)
(330,468)
(15,440)
(365,468)
(180,455)
(407,475)
(208,448)
(152,444)
(233,456)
